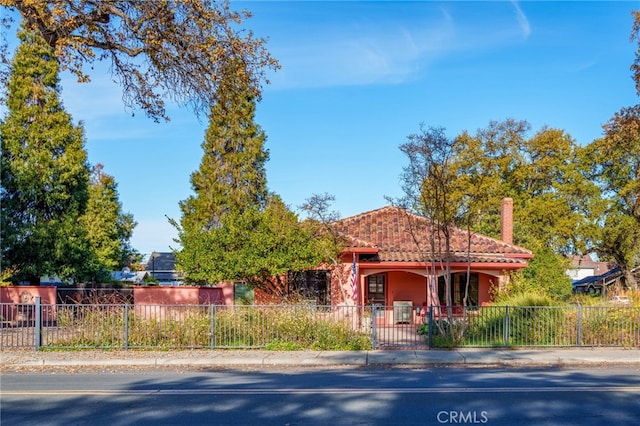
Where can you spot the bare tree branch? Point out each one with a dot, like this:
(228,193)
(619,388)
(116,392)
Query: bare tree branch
(173,49)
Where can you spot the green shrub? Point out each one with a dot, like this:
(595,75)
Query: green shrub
(526,299)
(544,276)
(279,345)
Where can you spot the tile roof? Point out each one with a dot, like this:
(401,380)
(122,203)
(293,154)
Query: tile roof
(388,229)
(587,262)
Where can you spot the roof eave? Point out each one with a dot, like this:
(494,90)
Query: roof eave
(494,266)
(357,250)
(524,256)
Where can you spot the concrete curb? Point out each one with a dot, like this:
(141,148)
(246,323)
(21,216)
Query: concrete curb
(460,357)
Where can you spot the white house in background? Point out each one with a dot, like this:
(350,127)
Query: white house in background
(584,266)
(128,276)
(50,280)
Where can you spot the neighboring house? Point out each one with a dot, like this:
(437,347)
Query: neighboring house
(162,267)
(603,283)
(128,276)
(49,280)
(392,270)
(585,266)
(591,276)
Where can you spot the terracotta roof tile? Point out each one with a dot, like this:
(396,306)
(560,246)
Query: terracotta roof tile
(389,229)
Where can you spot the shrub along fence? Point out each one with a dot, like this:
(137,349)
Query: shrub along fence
(293,327)
(541,326)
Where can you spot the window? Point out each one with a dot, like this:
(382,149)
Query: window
(458,284)
(376,289)
(242,294)
(368,257)
(315,286)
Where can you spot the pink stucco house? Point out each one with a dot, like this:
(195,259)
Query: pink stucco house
(394,265)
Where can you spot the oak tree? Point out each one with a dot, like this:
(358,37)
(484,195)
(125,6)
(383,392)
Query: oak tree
(555,204)
(635,36)
(613,162)
(157,50)
(615,166)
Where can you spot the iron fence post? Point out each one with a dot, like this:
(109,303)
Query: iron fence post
(579,330)
(430,327)
(38,323)
(126,326)
(212,312)
(506,326)
(374,315)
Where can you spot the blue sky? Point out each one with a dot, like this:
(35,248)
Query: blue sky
(357,78)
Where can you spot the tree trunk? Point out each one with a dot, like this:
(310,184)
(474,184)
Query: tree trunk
(629,278)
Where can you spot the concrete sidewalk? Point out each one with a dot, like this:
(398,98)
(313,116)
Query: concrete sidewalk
(231,358)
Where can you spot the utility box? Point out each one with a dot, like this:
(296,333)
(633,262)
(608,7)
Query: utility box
(402,311)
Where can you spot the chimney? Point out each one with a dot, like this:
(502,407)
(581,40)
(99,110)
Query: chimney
(506,221)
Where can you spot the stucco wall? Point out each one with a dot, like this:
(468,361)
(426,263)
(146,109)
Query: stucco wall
(406,286)
(18,302)
(485,285)
(177,295)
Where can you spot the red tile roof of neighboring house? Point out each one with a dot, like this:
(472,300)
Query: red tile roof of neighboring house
(388,229)
(587,262)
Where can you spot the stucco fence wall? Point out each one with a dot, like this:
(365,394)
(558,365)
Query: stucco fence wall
(163,303)
(18,303)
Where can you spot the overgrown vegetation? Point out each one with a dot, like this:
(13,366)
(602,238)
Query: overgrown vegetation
(162,327)
(543,283)
(522,317)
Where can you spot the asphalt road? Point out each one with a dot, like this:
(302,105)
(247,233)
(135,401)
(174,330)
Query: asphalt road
(336,396)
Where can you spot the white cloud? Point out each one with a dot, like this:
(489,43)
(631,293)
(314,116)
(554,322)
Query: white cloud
(388,51)
(380,53)
(523,21)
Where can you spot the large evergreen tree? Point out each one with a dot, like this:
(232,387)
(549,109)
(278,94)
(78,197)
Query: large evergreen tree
(231,177)
(232,172)
(44,173)
(232,228)
(109,228)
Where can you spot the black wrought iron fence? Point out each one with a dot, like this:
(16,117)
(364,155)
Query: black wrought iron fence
(291,327)
(127,326)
